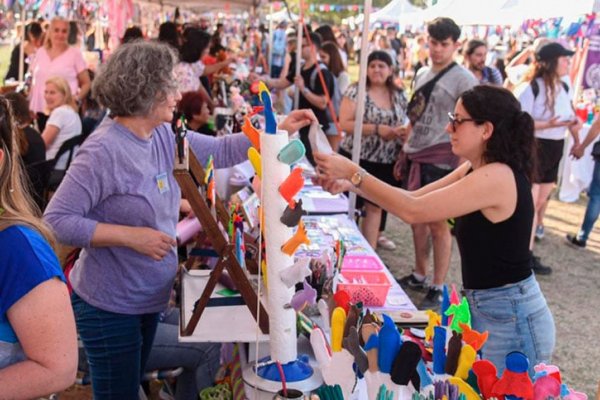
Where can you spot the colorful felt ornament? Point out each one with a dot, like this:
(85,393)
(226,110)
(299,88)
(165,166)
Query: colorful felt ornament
(251,133)
(515,380)
(404,368)
(291,186)
(545,386)
(465,362)
(434,320)
(352,344)
(445,305)
(454,348)
(299,238)
(265,97)
(460,313)
(389,344)
(472,337)
(304,297)
(439,349)
(338,320)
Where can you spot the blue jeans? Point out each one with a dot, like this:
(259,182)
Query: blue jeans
(517,319)
(592,210)
(117,348)
(200,361)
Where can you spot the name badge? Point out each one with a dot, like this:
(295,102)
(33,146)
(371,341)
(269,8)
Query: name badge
(162,183)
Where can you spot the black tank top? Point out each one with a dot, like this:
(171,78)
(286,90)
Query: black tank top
(496,254)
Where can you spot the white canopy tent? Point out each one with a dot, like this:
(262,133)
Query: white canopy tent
(399,12)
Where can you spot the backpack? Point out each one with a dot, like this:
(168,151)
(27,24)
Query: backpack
(535,87)
(336,97)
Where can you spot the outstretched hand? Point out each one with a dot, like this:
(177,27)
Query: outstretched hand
(334,166)
(297,120)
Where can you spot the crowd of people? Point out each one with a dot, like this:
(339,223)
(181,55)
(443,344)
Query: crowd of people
(441,140)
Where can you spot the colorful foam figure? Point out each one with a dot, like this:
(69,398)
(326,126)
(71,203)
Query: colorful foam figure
(434,320)
(545,386)
(292,215)
(460,313)
(265,97)
(342,299)
(209,169)
(304,297)
(251,133)
(351,319)
(551,370)
(254,157)
(453,353)
(389,344)
(295,241)
(439,350)
(464,388)
(338,320)
(291,186)
(487,376)
(240,248)
(296,273)
(352,344)
(465,362)
(404,368)
(371,339)
(292,152)
(445,305)
(515,380)
(472,337)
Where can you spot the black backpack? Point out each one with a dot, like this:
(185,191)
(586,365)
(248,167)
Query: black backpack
(535,88)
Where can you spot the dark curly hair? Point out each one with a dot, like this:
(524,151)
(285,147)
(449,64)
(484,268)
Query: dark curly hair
(512,141)
(195,41)
(443,28)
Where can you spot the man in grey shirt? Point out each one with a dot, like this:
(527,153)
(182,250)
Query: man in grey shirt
(429,152)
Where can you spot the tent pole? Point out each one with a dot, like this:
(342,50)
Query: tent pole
(360,102)
(270,58)
(299,53)
(22,49)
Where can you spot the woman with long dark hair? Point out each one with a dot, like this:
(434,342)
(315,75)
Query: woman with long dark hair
(385,111)
(547,99)
(490,197)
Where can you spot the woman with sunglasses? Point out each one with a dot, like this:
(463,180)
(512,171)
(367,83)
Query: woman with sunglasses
(490,197)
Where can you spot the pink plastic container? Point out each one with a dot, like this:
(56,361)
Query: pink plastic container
(362,263)
(369,287)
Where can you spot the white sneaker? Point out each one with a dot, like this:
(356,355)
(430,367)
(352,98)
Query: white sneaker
(385,243)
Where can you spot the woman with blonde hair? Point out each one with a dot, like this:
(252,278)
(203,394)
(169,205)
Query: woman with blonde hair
(38,346)
(57,58)
(64,122)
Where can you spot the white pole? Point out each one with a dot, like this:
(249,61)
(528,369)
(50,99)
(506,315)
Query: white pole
(282,321)
(299,53)
(22,50)
(360,102)
(270,58)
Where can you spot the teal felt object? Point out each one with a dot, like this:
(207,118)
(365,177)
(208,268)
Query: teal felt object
(460,313)
(389,344)
(292,152)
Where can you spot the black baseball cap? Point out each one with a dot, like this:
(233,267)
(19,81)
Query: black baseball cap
(550,51)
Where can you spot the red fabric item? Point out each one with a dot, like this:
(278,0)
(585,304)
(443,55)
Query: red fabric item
(515,383)
(487,376)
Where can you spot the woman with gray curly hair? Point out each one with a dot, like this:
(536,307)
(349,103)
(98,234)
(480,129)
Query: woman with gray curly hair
(119,202)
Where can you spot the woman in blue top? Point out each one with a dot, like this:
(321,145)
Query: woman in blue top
(38,346)
(490,197)
(120,202)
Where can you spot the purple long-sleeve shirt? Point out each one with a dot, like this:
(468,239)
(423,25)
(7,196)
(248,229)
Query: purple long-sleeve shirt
(119,178)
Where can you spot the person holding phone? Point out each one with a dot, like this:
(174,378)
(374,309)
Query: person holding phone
(548,100)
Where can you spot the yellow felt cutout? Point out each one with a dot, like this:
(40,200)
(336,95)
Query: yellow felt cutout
(465,361)
(338,320)
(255,160)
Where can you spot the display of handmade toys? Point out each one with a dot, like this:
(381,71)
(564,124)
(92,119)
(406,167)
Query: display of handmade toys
(210,212)
(445,366)
(271,155)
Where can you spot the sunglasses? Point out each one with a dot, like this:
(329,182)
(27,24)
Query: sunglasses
(455,121)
